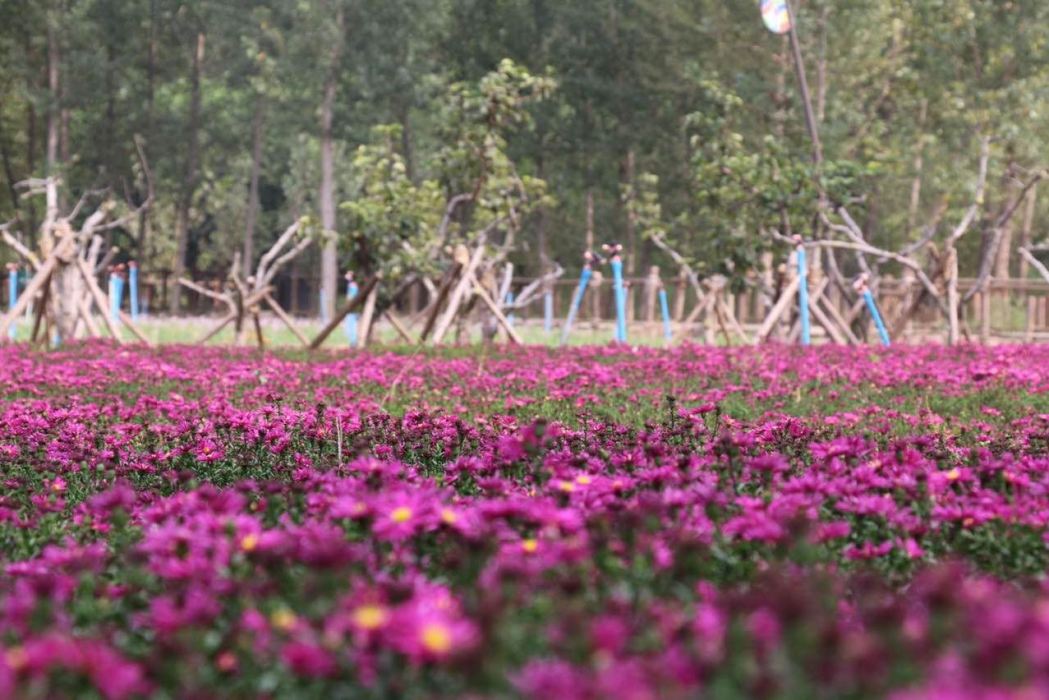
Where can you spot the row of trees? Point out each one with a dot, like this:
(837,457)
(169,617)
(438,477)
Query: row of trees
(669,118)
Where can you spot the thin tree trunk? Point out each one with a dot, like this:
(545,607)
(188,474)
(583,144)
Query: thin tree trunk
(53,88)
(952,295)
(151,75)
(253,189)
(630,264)
(919,165)
(821,65)
(1025,232)
(189,183)
(1004,254)
(407,141)
(329,255)
(9,171)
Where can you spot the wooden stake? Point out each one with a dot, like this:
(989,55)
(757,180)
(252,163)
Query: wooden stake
(42,277)
(835,314)
(347,309)
(398,326)
(125,318)
(786,298)
(457,295)
(261,339)
(84,308)
(99,298)
(494,308)
(1032,310)
(442,294)
(41,310)
(226,320)
(367,316)
(283,316)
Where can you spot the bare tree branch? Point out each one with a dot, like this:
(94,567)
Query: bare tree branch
(981,183)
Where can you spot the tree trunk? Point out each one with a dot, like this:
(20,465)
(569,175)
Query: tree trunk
(952,295)
(9,171)
(329,255)
(821,65)
(589,219)
(1004,254)
(189,183)
(151,75)
(919,166)
(407,142)
(1025,232)
(53,88)
(630,244)
(253,188)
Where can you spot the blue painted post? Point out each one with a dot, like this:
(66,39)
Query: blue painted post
(577,300)
(349,326)
(668,333)
(133,288)
(548,309)
(510,314)
(617,281)
(118,302)
(12,296)
(803,295)
(113,308)
(872,306)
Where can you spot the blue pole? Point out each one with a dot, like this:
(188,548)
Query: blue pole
(883,333)
(349,326)
(577,299)
(510,314)
(803,296)
(548,310)
(113,298)
(118,297)
(668,333)
(133,289)
(617,278)
(12,297)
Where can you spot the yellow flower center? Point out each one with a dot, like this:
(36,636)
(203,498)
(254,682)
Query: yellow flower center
(582,479)
(16,658)
(249,542)
(370,617)
(530,545)
(436,638)
(449,516)
(953,475)
(566,486)
(401,515)
(283,619)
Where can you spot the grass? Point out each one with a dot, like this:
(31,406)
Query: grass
(188,330)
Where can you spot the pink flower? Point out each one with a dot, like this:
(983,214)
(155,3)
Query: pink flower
(307,659)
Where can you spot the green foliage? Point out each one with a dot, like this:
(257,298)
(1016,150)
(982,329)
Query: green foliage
(392,222)
(695,93)
(395,223)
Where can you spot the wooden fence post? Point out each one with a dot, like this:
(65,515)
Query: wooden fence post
(651,290)
(985,316)
(595,299)
(1032,310)
(679,296)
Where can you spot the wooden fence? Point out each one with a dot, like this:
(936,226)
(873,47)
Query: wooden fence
(1008,310)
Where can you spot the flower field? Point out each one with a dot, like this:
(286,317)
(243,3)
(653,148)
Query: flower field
(593,523)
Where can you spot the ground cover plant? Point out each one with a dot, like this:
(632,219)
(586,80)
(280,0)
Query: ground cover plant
(584,523)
